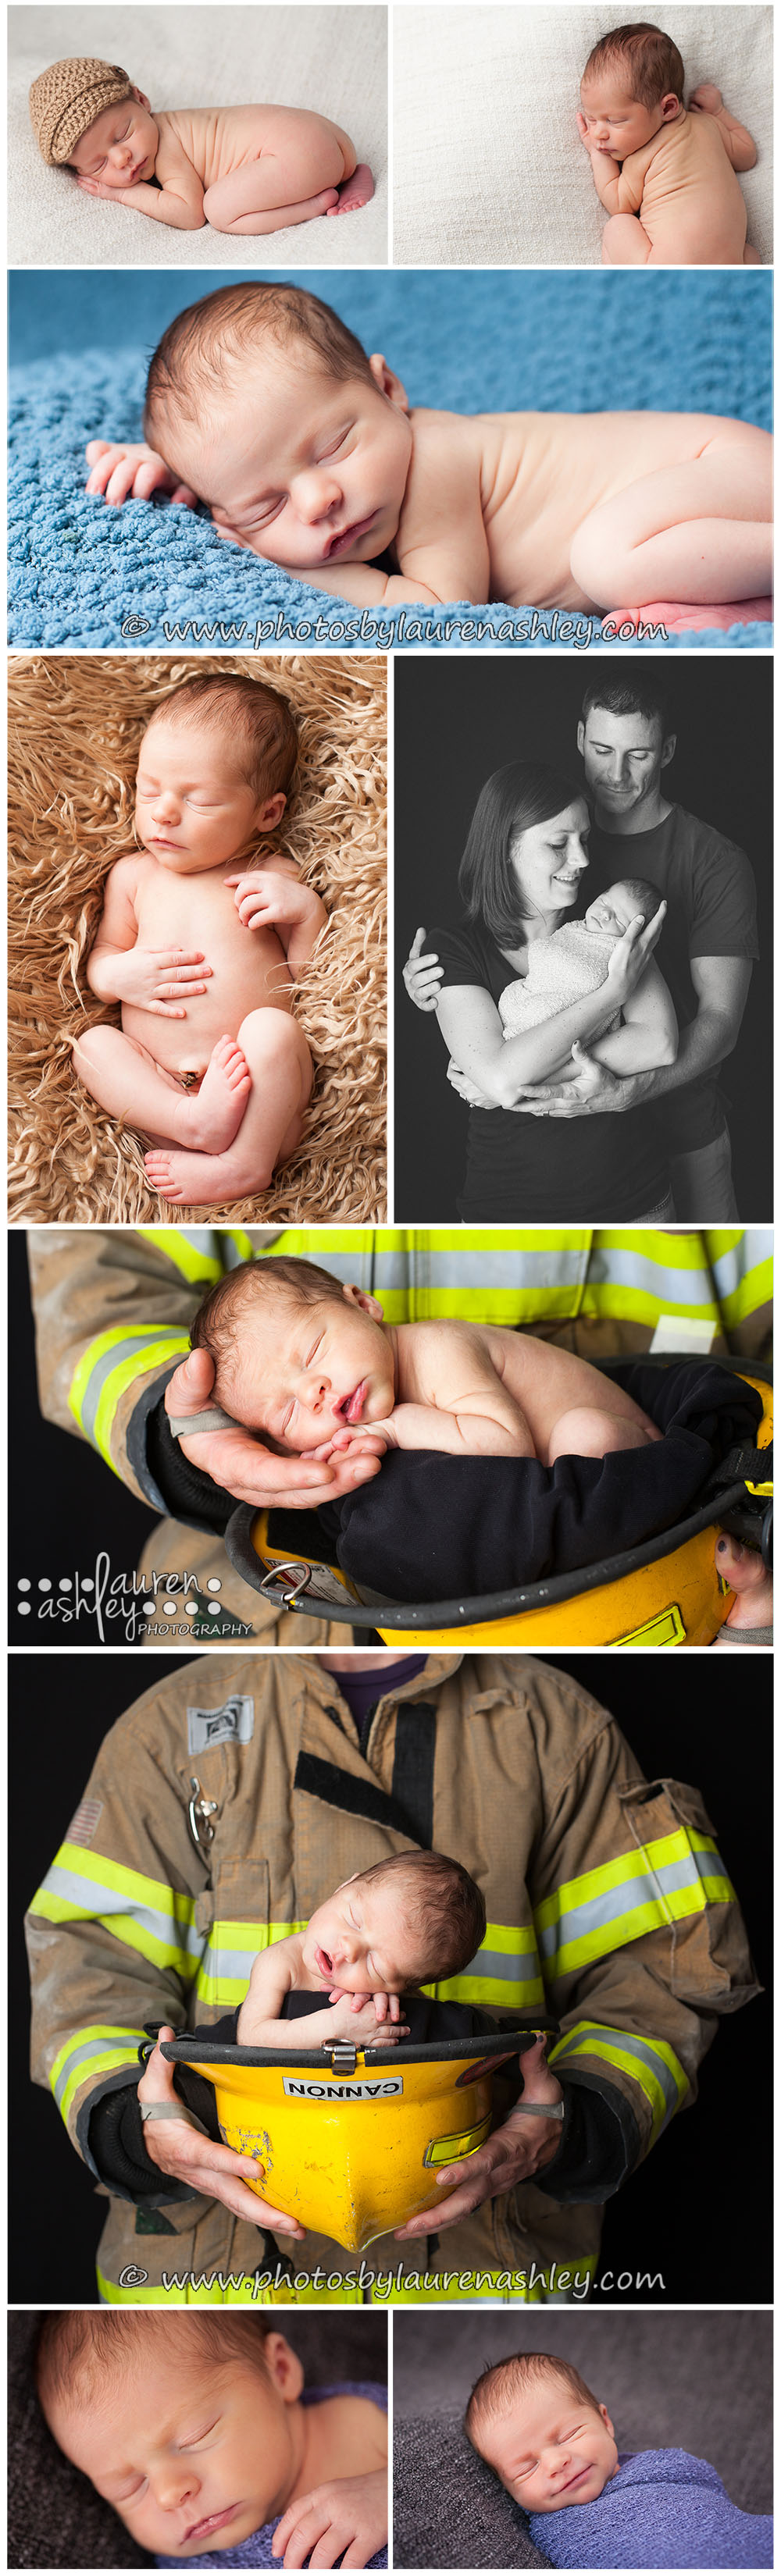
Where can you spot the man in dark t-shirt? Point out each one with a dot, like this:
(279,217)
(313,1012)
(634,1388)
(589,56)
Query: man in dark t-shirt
(707,945)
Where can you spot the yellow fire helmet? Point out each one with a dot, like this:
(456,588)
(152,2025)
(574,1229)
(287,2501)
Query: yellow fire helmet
(349,2140)
(667,1591)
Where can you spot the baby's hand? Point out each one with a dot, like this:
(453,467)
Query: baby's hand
(372,1440)
(132,473)
(266,897)
(387,2007)
(707,96)
(347,2522)
(159,979)
(356,2017)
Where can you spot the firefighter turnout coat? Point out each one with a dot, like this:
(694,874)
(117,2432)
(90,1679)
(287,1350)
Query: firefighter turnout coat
(607,1904)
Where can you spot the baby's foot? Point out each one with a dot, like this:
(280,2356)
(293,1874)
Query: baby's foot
(354,192)
(679,617)
(707,96)
(218,1110)
(197,1180)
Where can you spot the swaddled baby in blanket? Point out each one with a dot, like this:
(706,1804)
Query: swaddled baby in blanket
(552,2445)
(575,961)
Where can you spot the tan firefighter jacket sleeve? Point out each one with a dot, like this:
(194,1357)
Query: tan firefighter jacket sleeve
(113,1308)
(606,1896)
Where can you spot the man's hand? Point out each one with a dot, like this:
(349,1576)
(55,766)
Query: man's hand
(206,2166)
(422,976)
(159,979)
(266,896)
(466,1086)
(594,1091)
(520,2148)
(123,472)
(346,2521)
(239,1464)
(628,960)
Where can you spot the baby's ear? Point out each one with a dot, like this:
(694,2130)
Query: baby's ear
(355,1296)
(387,383)
(140,98)
(271,811)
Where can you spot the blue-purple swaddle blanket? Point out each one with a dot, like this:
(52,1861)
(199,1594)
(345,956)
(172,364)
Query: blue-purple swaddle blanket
(662,2509)
(257,2550)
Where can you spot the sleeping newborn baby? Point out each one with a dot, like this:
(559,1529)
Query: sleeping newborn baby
(312,1365)
(414,1919)
(665,173)
(239,169)
(575,961)
(552,2445)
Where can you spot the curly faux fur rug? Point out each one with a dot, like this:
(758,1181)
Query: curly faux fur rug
(75,726)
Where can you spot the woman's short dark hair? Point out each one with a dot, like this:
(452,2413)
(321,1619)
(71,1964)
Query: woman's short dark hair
(523,793)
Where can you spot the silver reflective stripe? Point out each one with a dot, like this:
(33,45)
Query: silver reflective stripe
(630,2046)
(618,1268)
(220,1963)
(91,1897)
(131,1347)
(754,1248)
(507,1965)
(631,1896)
(88,2050)
(503,1269)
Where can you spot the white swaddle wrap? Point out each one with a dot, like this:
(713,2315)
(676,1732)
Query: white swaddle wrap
(562,969)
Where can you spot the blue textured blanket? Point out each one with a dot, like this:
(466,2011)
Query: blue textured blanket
(662,2509)
(258,2550)
(83,574)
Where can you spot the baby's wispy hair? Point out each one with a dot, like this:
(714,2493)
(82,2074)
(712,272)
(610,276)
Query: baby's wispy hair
(202,344)
(653,63)
(79,2350)
(217,1326)
(505,2383)
(259,720)
(445,1909)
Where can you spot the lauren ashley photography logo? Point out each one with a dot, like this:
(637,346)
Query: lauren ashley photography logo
(124,1608)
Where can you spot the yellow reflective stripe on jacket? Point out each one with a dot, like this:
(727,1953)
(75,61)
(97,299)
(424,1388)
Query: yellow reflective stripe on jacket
(229,1958)
(741,1259)
(111,1363)
(203,1252)
(88,2055)
(505,1972)
(656,1884)
(651,2063)
(82,1886)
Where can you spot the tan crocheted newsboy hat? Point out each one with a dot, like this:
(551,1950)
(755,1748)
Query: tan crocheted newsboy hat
(66,99)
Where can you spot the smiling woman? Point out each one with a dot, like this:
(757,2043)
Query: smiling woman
(520,876)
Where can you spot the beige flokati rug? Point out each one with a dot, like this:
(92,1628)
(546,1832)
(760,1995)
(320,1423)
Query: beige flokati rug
(75,723)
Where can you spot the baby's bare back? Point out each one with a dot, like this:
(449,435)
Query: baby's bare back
(547,1382)
(217,140)
(692,205)
(248,966)
(539,474)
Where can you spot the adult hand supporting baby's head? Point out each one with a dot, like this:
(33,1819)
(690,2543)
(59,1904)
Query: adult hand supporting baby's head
(237,1461)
